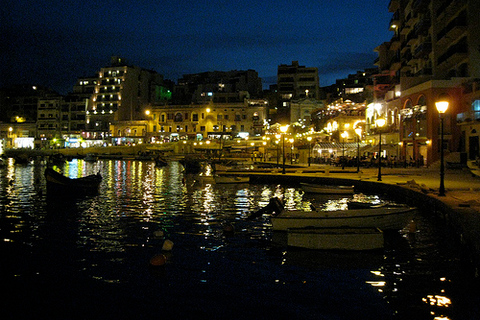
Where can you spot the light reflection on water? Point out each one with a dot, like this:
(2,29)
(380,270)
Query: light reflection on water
(109,239)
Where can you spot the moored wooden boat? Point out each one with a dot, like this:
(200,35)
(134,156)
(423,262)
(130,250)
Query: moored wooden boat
(317,188)
(382,218)
(336,238)
(58,183)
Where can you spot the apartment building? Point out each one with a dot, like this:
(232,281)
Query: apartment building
(295,81)
(121,93)
(433,53)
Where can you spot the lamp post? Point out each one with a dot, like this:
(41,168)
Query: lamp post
(344,136)
(291,150)
(442,106)
(284,130)
(278,136)
(358,131)
(309,149)
(380,122)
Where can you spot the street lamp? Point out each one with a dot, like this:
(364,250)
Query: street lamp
(291,150)
(380,122)
(283,129)
(344,136)
(278,136)
(309,149)
(442,106)
(358,131)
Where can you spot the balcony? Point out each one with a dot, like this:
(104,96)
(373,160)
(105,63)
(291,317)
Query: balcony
(454,53)
(423,25)
(423,50)
(420,5)
(395,43)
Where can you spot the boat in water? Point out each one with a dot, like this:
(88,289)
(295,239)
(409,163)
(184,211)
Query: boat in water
(323,189)
(356,239)
(57,183)
(384,218)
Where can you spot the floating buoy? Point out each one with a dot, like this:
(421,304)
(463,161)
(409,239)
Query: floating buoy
(158,234)
(167,245)
(158,260)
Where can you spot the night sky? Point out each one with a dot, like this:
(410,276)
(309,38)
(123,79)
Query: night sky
(54,42)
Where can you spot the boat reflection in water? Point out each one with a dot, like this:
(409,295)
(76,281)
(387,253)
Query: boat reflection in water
(90,256)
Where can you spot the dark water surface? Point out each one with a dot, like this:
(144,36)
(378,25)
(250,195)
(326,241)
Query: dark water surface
(88,258)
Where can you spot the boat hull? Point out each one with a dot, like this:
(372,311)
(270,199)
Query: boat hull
(356,239)
(313,188)
(382,218)
(59,184)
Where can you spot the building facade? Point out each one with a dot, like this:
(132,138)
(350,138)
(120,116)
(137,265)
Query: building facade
(295,81)
(121,93)
(204,121)
(433,53)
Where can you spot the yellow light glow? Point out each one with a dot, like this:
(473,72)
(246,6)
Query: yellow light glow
(284,128)
(380,122)
(442,106)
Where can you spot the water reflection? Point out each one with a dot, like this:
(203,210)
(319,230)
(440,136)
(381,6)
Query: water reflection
(110,237)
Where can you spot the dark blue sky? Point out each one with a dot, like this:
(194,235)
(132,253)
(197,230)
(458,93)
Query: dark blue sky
(54,42)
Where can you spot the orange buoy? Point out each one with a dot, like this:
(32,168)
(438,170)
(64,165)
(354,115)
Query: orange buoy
(158,260)
(167,245)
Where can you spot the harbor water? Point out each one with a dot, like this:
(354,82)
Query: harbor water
(67,257)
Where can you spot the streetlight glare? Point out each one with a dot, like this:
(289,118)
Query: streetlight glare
(284,128)
(380,122)
(442,106)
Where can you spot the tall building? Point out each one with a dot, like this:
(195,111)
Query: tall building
(122,92)
(295,81)
(433,53)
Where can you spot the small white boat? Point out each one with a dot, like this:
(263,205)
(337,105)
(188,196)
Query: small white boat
(317,188)
(383,218)
(356,239)
(231,179)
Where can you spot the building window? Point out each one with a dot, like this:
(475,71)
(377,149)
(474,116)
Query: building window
(194,117)
(202,128)
(476,109)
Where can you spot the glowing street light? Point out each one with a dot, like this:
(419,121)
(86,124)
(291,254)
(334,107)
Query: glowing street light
(380,122)
(283,129)
(442,106)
